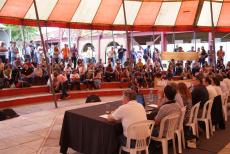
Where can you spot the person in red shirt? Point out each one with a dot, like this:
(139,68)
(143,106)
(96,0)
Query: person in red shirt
(63,82)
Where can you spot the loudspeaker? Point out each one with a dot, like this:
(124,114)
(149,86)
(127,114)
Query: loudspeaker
(7,114)
(92,99)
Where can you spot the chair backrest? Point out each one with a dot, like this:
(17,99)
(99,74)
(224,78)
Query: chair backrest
(206,113)
(168,126)
(140,99)
(141,132)
(224,98)
(180,124)
(194,113)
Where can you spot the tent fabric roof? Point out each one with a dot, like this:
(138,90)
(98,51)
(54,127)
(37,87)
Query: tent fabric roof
(142,15)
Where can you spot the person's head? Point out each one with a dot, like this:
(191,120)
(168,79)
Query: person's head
(192,48)
(66,45)
(9,67)
(207,81)
(135,89)
(210,47)
(26,66)
(55,73)
(221,47)
(100,60)
(183,90)
(169,92)
(216,81)
(148,46)
(220,77)
(128,95)
(174,85)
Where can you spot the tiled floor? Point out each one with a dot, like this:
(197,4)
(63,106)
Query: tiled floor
(38,129)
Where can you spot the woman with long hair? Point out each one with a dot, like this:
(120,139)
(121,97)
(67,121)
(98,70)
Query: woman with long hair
(187,99)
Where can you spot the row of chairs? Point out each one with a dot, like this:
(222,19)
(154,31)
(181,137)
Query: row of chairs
(174,128)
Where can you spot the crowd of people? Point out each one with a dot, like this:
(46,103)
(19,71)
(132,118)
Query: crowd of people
(70,71)
(172,100)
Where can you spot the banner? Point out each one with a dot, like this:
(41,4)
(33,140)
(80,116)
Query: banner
(179,55)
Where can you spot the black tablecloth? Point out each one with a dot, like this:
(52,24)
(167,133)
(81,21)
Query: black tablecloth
(84,131)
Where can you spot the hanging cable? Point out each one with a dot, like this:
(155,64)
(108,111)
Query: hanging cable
(126,29)
(91,41)
(45,51)
(174,38)
(69,38)
(194,39)
(213,33)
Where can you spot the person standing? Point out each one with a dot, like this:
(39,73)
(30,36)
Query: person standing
(211,56)
(121,52)
(13,51)
(3,52)
(32,49)
(220,54)
(111,55)
(27,52)
(56,54)
(65,52)
(203,56)
(147,53)
(74,55)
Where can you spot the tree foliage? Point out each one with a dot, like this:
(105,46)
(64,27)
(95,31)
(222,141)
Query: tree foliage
(22,33)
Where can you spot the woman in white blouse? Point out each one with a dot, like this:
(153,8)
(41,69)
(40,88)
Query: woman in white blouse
(216,84)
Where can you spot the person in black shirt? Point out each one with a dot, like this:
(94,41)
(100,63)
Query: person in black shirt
(121,52)
(27,73)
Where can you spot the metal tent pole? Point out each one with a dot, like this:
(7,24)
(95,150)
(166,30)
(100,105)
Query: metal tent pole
(194,38)
(213,33)
(114,44)
(69,38)
(126,28)
(45,52)
(174,37)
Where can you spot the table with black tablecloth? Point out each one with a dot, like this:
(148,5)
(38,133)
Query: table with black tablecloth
(84,131)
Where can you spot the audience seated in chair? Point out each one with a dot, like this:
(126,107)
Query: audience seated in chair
(129,113)
(75,80)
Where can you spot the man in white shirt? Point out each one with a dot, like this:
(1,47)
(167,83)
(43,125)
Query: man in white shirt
(130,112)
(227,81)
(223,85)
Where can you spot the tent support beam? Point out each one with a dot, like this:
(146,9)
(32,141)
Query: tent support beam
(213,34)
(45,52)
(126,30)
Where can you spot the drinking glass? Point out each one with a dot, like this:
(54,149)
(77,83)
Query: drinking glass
(107,108)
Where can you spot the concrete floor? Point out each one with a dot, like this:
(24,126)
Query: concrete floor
(37,130)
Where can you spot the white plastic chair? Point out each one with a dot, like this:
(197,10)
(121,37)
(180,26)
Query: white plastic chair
(171,123)
(224,99)
(193,119)
(180,131)
(141,132)
(206,118)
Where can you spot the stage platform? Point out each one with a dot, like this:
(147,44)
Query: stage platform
(39,94)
